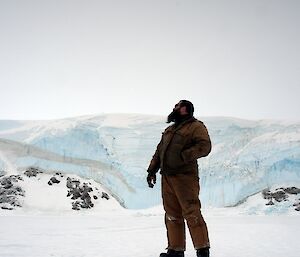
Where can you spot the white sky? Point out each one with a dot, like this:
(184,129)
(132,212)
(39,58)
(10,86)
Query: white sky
(61,58)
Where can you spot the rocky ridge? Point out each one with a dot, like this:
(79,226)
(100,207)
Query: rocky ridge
(282,194)
(83,194)
(10,192)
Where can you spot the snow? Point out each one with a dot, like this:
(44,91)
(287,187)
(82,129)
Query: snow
(6,164)
(111,152)
(132,233)
(41,197)
(47,226)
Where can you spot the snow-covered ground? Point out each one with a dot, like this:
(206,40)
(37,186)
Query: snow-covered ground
(46,225)
(100,163)
(129,233)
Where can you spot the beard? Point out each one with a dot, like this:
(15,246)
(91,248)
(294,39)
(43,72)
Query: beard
(174,116)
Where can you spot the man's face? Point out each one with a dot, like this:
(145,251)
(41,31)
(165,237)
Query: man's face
(180,109)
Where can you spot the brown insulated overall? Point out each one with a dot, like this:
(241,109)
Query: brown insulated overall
(176,157)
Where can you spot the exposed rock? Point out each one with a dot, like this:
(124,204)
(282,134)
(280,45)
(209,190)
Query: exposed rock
(9,179)
(6,208)
(72,183)
(279,195)
(75,192)
(267,194)
(87,188)
(270,203)
(105,195)
(59,174)
(7,185)
(54,180)
(292,190)
(80,193)
(76,205)
(297,203)
(32,172)
(86,201)
(9,192)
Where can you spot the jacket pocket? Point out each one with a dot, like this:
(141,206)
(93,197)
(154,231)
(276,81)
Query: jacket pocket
(179,138)
(173,158)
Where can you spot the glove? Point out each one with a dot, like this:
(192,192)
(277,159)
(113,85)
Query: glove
(151,179)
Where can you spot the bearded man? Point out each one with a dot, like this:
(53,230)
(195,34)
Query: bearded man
(176,155)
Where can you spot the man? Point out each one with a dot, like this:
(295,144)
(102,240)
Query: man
(176,156)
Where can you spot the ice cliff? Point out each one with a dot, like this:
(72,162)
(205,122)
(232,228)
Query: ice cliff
(115,149)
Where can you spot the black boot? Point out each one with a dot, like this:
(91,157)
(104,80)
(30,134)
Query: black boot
(172,253)
(203,252)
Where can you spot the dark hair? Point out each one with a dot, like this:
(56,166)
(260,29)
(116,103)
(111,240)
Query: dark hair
(189,106)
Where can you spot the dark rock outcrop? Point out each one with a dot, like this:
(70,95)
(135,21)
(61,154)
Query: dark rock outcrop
(32,172)
(292,190)
(10,192)
(105,196)
(54,180)
(83,195)
(281,194)
(80,193)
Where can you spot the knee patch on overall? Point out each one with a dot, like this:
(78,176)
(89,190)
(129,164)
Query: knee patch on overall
(172,219)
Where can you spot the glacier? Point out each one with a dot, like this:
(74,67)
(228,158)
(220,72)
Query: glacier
(115,150)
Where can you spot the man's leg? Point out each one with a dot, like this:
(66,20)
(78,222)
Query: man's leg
(187,189)
(173,217)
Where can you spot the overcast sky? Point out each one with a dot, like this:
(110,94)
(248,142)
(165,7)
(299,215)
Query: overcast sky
(62,58)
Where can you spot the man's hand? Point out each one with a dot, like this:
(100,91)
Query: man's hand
(151,180)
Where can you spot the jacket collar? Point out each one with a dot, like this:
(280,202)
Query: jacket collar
(175,127)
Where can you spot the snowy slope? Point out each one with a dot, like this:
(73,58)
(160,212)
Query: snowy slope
(38,191)
(115,149)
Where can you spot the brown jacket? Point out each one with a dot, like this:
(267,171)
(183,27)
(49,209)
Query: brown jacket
(180,147)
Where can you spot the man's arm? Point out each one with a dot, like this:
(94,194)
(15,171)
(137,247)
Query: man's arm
(155,162)
(154,167)
(201,145)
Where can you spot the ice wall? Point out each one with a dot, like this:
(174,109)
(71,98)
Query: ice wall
(115,150)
